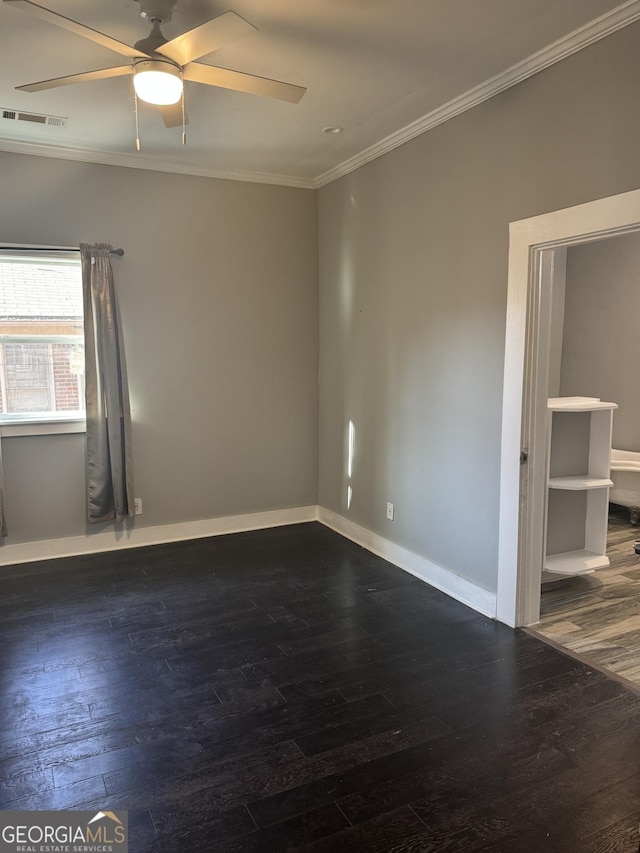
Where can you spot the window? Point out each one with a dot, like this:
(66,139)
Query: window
(41,337)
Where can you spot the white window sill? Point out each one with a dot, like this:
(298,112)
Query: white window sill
(57,427)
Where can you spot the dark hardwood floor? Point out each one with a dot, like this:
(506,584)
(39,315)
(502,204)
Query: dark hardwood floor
(287,690)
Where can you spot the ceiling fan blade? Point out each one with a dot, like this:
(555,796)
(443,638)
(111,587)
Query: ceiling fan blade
(206,38)
(75,27)
(172,115)
(101,74)
(239,82)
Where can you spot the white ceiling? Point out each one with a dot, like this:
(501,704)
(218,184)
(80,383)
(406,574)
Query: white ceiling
(384,70)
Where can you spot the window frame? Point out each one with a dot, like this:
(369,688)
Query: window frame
(45,423)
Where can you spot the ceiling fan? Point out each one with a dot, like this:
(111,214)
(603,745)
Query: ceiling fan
(160,66)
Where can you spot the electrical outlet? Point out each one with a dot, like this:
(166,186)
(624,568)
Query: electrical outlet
(390,511)
(137,506)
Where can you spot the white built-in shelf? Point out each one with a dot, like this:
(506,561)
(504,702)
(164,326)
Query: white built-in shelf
(578,479)
(575,562)
(578,404)
(578,484)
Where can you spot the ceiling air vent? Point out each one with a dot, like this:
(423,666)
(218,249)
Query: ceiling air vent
(35,118)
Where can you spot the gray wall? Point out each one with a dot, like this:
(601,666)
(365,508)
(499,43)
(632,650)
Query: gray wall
(601,333)
(219,301)
(413,283)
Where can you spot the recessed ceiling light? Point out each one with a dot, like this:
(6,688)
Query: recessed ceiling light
(332,129)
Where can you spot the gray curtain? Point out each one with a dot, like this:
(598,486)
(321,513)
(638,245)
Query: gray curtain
(109,460)
(3,520)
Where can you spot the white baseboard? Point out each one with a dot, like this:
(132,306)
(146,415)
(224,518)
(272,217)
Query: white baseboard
(138,537)
(461,589)
(457,587)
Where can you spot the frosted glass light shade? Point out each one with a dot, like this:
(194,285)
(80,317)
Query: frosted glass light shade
(157,82)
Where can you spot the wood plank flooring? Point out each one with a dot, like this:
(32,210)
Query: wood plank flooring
(597,616)
(287,690)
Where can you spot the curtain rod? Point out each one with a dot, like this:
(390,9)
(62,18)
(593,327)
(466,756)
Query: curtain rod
(118,252)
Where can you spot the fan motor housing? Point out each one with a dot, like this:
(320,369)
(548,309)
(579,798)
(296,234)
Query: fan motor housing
(153,41)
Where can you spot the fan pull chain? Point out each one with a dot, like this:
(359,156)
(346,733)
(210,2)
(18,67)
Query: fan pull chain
(135,104)
(184,123)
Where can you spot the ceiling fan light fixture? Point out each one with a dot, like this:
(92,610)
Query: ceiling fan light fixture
(157,82)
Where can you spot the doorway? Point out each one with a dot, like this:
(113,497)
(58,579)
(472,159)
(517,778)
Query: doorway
(537,259)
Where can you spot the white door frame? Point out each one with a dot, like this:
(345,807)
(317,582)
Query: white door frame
(535,246)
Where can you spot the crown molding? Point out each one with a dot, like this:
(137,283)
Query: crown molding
(590,33)
(135,161)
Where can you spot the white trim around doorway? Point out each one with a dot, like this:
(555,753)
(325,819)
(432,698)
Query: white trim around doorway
(527,301)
